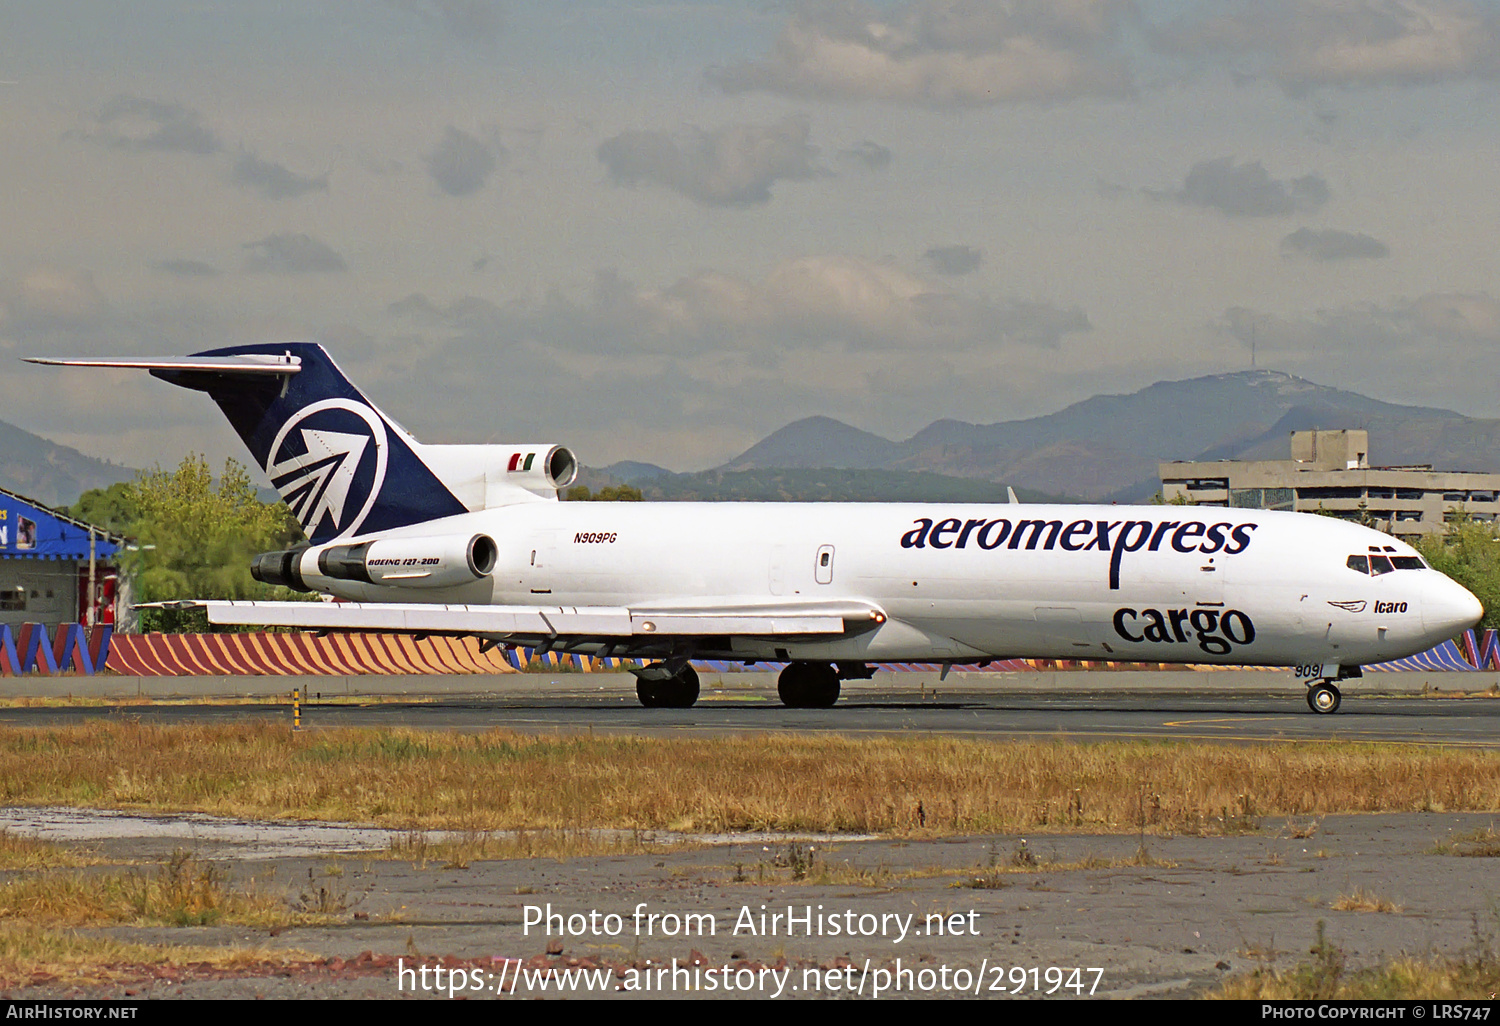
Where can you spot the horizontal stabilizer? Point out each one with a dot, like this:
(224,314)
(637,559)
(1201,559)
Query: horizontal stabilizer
(549,622)
(249,364)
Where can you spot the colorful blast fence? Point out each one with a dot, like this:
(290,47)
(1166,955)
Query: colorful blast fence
(75,649)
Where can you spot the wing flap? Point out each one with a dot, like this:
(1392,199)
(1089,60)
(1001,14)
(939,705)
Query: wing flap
(566,622)
(713,623)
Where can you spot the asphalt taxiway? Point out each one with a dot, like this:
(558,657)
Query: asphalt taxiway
(1230,706)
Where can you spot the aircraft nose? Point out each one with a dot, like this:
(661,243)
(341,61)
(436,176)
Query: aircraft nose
(1450,608)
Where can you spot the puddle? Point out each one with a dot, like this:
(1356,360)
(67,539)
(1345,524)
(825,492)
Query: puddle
(195,830)
(763,837)
(221,836)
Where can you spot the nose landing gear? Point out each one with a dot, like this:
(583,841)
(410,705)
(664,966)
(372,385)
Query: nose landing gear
(1323,695)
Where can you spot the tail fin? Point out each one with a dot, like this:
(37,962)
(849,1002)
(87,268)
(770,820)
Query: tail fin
(343,467)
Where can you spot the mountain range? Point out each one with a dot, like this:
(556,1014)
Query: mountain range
(1107,448)
(52,474)
(1101,449)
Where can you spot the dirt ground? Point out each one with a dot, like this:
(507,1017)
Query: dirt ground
(1077,915)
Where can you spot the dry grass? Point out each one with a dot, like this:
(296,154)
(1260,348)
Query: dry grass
(820,866)
(18,852)
(799,864)
(1361,900)
(1303,831)
(1482,844)
(34,954)
(1475,975)
(476,846)
(919,786)
(184,891)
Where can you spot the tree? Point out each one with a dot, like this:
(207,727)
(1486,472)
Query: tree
(609,493)
(1468,552)
(114,508)
(193,539)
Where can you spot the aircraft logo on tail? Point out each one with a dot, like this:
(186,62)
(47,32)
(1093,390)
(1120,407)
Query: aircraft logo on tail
(329,461)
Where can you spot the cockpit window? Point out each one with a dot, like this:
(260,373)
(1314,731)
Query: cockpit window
(1377,564)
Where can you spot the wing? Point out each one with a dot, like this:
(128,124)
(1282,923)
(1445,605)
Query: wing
(561,627)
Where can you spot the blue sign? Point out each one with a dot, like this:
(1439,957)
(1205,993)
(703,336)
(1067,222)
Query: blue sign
(28,530)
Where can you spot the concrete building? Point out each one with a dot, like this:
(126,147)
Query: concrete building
(1330,471)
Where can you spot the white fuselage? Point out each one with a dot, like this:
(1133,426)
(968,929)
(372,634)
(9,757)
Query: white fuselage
(964,583)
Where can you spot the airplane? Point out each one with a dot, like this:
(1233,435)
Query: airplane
(473,540)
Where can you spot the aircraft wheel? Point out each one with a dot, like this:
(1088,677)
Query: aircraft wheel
(1324,698)
(804,685)
(682,690)
(679,692)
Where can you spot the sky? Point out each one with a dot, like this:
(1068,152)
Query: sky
(660,231)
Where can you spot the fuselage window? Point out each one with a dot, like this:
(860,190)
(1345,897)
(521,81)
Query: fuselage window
(1407,562)
(1380,565)
(1360,563)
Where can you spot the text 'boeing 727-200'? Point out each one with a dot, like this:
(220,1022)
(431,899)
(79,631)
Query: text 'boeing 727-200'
(472,540)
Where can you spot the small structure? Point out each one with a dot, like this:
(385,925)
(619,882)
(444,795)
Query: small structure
(54,570)
(1330,472)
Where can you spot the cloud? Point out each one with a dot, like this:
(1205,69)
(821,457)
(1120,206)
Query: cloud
(690,371)
(812,301)
(944,53)
(1332,244)
(1246,190)
(1304,44)
(142,125)
(48,298)
(954,260)
(732,166)
(135,123)
(471,20)
(871,155)
(186,268)
(292,253)
(271,180)
(461,164)
(1412,348)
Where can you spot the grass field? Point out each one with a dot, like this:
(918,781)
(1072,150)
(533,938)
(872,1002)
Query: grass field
(917,786)
(557,793)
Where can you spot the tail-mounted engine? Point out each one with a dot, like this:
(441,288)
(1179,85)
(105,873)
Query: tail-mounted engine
(542,469)
(439,562)
(491,476)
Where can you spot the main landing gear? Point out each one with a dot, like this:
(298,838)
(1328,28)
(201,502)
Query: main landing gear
(1323,695)
(658,688)
(804,685)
